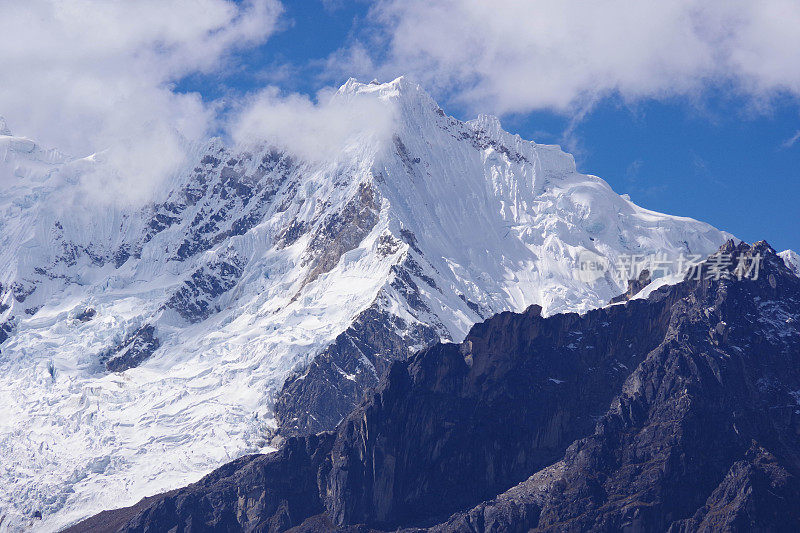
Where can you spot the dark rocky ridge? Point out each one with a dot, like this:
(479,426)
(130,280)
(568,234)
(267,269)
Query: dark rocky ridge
(5,330)
(704,435)
(677,413)
(232,199)
(6,322)
(232,193)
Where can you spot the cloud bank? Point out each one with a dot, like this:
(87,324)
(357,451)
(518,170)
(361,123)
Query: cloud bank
(517,56)
(94,75)
(313,130)
(91,76)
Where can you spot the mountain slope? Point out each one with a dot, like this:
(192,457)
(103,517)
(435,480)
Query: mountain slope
(262,293)
(677,412)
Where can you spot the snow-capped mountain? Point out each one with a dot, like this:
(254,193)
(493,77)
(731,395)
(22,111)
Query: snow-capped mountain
(262,293)
(792,260)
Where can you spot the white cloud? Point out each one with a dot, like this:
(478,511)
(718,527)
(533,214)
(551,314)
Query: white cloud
(95,75)
(311,129)
(517,56)
(791,141)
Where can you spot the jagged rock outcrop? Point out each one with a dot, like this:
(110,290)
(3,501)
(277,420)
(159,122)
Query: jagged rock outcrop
(677,412)
(337,379)
(634,286)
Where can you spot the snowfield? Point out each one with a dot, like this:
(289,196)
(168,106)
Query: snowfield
(248,265)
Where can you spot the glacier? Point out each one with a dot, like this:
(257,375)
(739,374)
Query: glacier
(141,347)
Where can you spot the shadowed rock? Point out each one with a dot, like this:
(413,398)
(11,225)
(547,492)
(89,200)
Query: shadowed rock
(138,347)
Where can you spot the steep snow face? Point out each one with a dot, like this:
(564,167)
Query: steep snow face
(143,347)
(244,270)
(504,221)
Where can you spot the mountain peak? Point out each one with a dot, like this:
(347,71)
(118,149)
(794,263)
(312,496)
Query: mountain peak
(400,90)
(398,85)
(792,260)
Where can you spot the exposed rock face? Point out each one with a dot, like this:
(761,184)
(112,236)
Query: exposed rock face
(341,232)
(464,422)
(757,493)
(133,350)
(678,412)
(194,300)
(86,315)
(338,378)
(5,330)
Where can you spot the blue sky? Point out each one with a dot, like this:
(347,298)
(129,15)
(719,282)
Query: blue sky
(719,164)
(716,156)
(692,108)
